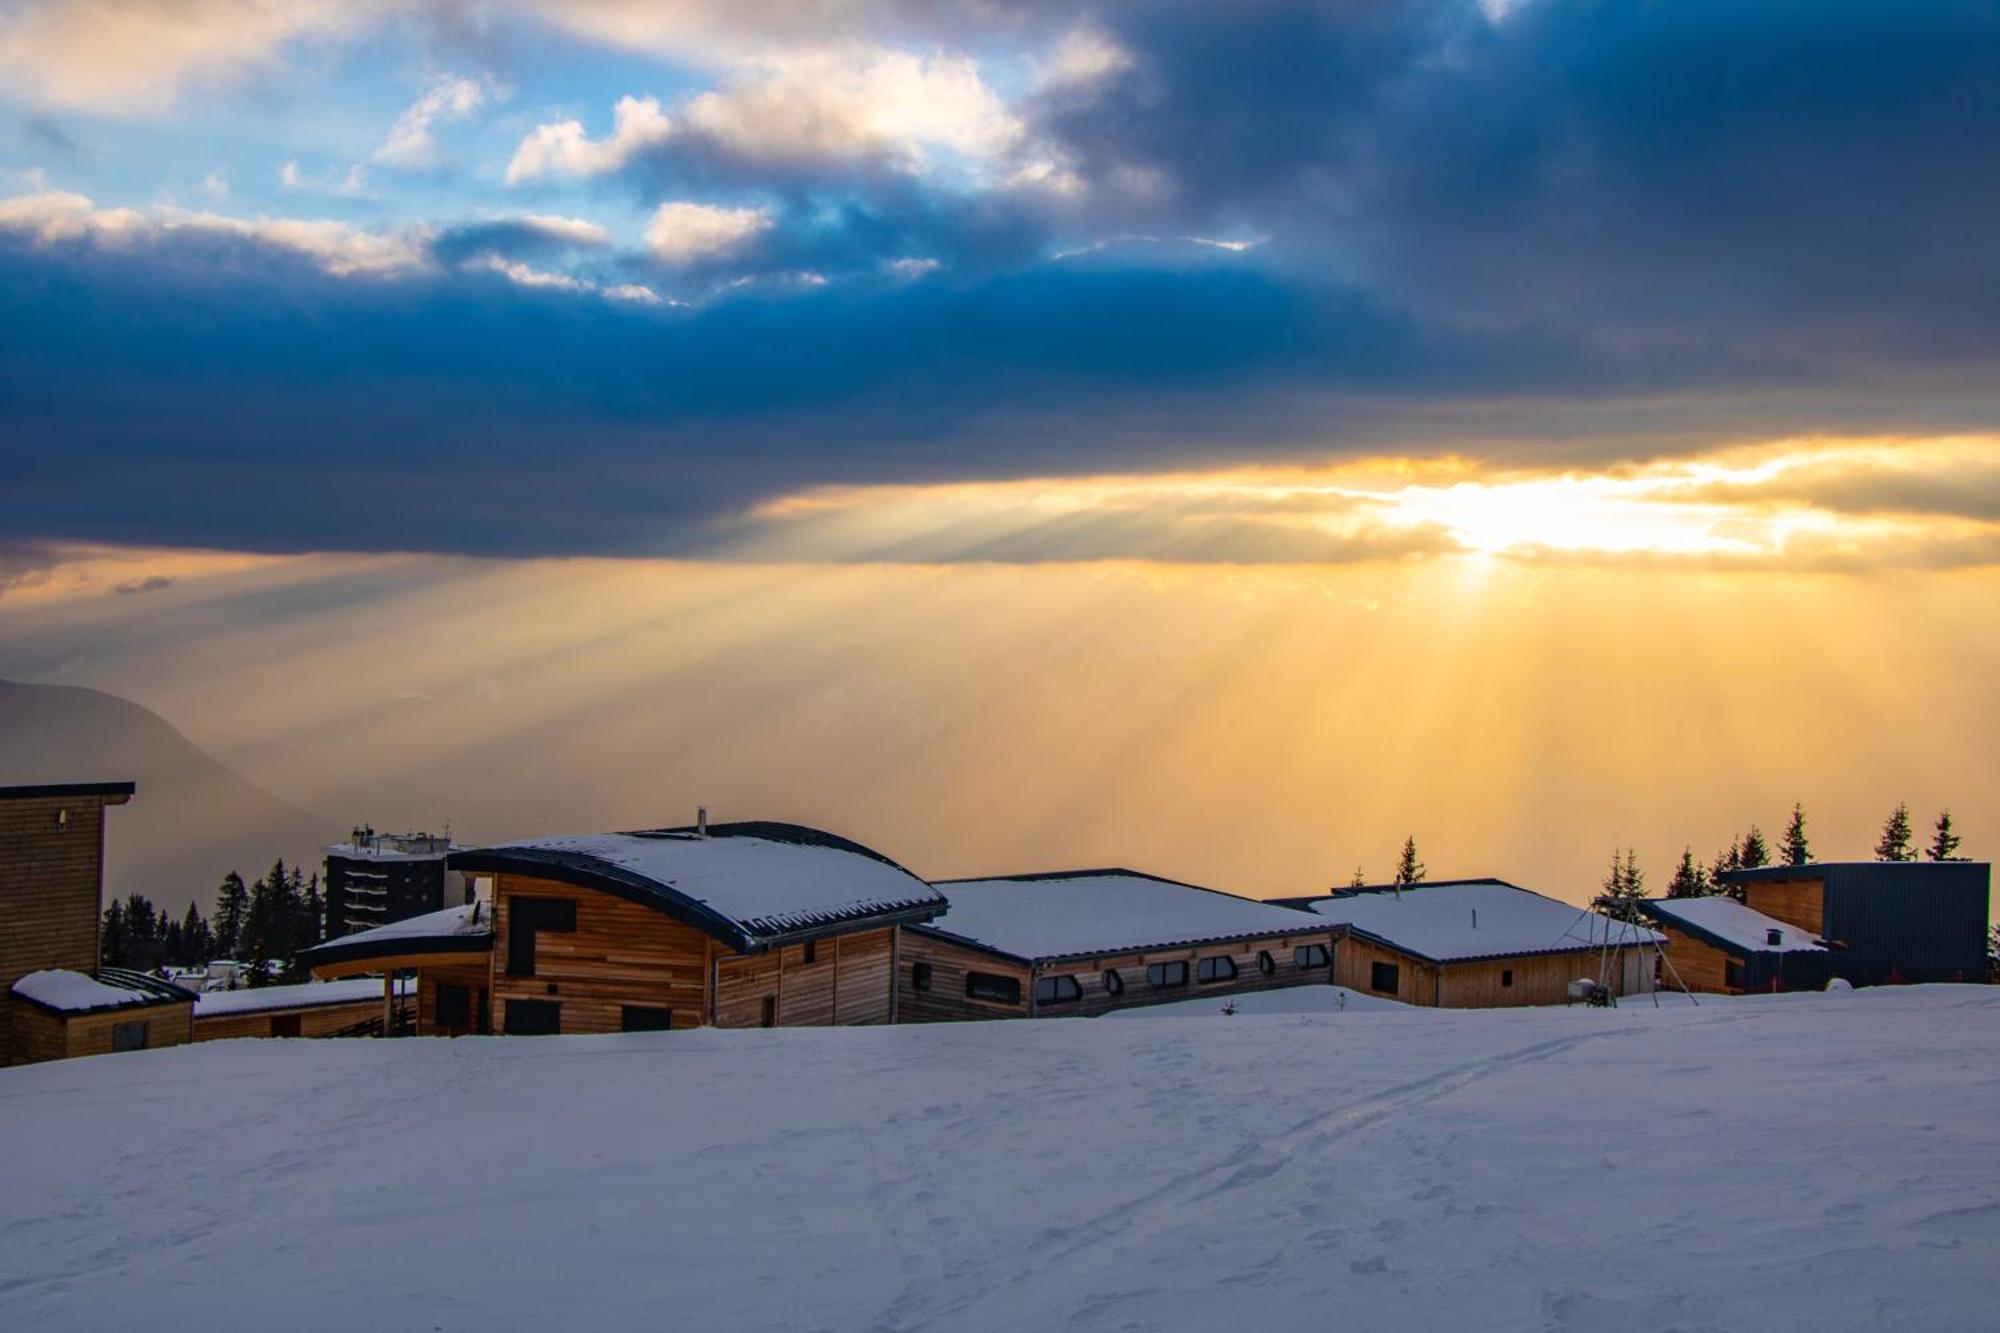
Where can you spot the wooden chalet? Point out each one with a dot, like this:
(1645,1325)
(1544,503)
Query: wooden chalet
(1474,944)
(727,925)
(1719,945)
(1886,921)
(51,884)
(1081,942)
(58,1013)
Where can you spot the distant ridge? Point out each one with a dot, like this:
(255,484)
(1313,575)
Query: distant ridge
(192,820)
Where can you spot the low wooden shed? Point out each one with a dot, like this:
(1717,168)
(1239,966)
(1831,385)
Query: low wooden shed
(351,1007)
(1717,944)
(1476,944)
(1079,942)
(60,1013)
(752,924)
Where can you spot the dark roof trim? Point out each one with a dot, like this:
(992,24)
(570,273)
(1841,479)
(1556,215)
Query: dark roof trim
(153,991)
(357,950)
(1819,869)
(30,792)
(1306,928)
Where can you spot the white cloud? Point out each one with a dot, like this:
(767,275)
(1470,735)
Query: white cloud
(563,149)
(52,216)
(410,143)
(636,293)
(910,267)
(521,275)
(574,231)
(128,57)
(681,233)
(215,185)
(1083,57)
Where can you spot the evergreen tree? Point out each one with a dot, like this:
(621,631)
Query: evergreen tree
(1623,887)
(173,944)
(315,914)
(232,909)
(1754,852)
(1690,880)
(1409,870)
(1944,842)
(1795,849)
(111,936)
(196,943)
(1894,844)
(1360,881)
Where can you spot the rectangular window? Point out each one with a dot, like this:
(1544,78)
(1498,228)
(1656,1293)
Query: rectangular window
(1732,973)
(288,1025)
(1163,975)
(644,1018)
(1506,976)
(768,1015)
(1311,955)
(129,1036)
(991,986)
(1385,977)
(527,918)
(1210,970)
(1057,990)
(533,1018)
(920,976)
(454,1008)
(809,952)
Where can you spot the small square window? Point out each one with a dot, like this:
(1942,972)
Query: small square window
(1506,976)
(1211,970)
(129,1036)
(920,976)
(1164,975)
(288,1025)
(809,952)
(1113,983)
(1311,955)
(1385,977)
(1057,990)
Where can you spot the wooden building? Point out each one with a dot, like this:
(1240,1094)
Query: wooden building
(1719,945)
(1083,942)
(1885,921)
(51,883)
(59,1013)
(1474,944)
(319,1009)
(728,925)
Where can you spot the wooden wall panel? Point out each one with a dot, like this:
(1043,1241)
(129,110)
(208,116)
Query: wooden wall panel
(1538,979)
(806,990)
(1698,963)
(478,982)
(316,1020)
(741,986)
(847,983)
(1354,960)
(619,954)
(51,878)
(863,985)
(1800,902)
(946,1001)
(42,1035)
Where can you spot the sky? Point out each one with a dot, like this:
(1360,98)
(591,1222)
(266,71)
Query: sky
(1225,438)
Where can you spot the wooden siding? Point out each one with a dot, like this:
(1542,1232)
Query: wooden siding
(1798,902)
(620,953)
(51,877)
(946,1000)
(1538,979)
(1699,965)
(847,984)
(41,1035)
(477,978)
(315,1020)
(1353,964)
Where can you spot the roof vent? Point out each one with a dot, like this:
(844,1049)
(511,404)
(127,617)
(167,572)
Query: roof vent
(1774,936)
(701,821)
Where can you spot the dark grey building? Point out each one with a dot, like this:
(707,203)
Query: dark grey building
(375,878)
(1885,921)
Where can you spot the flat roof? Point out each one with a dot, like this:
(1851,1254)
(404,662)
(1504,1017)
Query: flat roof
(1093,913)
(42,789)
(1462,920)
(1820,869)
(311,995)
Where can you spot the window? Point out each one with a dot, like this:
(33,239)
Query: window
(644,1018)
(809,952)
(920,976)
(1506,976)
(1385,977)
(454,1008)
(1265,963)
(768,1016)
(528,917)
(1732,973)
(1219,968)
(1057,990)
(129,1036)
(533,1018)
(988,986)
(288,1025)
(1113,983)
(1311,955)
(1167,974)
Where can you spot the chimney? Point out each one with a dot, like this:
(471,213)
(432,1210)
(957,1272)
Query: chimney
(1774,936)
(701,821)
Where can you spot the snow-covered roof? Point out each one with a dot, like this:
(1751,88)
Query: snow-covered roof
(1079,913)
(1467,919)
(68,992)
(1726,922)
(215,1004)
(746,883)
(464,929)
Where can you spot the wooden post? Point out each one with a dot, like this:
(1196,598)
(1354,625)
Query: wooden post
(388,1001)
(895,968)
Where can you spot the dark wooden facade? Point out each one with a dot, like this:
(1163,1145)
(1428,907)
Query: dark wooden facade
(51,882)
(44,1034)
(943,979)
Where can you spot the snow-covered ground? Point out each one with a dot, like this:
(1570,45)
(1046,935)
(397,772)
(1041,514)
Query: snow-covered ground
(1795,1161)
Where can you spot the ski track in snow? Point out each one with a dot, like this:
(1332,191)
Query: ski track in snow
(1824,1161)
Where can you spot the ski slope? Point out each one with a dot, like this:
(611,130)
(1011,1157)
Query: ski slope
(1797,1161)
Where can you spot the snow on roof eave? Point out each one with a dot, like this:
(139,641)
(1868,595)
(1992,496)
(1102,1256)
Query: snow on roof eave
(72,994)
(945,932)
(1575,946)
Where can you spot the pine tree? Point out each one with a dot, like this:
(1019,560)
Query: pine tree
(196,942)
(1360,881)
(1894,844)
(315,914)
(1409,870)
(1623,887)
(1690,880)
(1944,842)
(1755,852)
(232,909)
(1795,849)
(111,936)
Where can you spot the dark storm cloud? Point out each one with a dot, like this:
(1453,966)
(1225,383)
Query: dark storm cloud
(1581,223)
